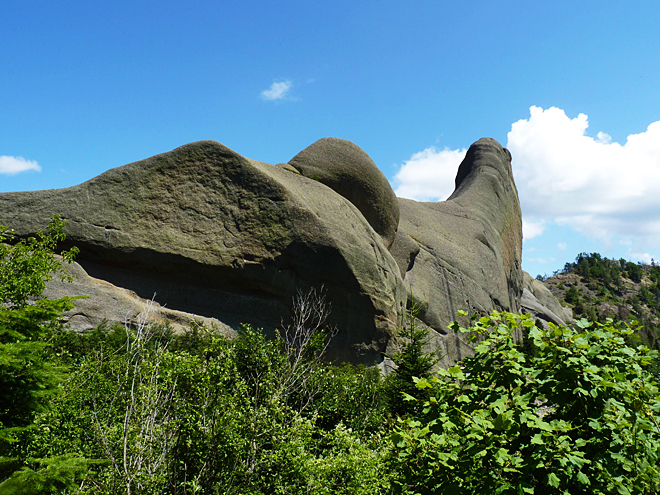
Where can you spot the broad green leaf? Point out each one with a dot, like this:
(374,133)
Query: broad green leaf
(482,348)
(582,478)
(623,490)
(421,383)
(454,370)
(407,397)
(534,332)
(575,460)
(481,453)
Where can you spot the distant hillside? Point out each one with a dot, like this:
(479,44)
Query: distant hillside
(598,288)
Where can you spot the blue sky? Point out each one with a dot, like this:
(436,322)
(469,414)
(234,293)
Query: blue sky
(572,88)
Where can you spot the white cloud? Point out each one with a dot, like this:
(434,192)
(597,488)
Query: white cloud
(429,175)
(600,188)
(11,165)
(644,257)
(562,246)
(532,229)
(603,138)
(279,90)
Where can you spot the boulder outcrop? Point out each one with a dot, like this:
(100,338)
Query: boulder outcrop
(538,301)
(218,235)
(348,170)
(464,253)
(231,240)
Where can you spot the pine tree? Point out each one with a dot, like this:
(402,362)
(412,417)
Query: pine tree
(412,361)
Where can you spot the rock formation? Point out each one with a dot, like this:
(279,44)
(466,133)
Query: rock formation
(104,302)
(538,301)
(347,169)
(223,237)
(464,253)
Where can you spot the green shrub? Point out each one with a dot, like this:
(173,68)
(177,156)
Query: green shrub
(352,396)
(198,413)
(579,416)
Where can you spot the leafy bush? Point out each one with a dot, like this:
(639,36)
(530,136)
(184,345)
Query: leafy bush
(198,413)
(579,415)
(352,396)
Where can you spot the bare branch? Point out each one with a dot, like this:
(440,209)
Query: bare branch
(305,342)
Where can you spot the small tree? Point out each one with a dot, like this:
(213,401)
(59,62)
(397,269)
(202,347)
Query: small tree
(28,375)
(135,428)
(26,378)
(413,360)
(304,343)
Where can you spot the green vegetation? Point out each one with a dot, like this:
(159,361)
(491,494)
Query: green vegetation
(598,288)
(412,361)
(29,374)
(580,415)
(140,410)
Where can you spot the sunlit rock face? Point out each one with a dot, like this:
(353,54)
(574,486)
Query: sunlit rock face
(349,171)
(230,240)
(464,253)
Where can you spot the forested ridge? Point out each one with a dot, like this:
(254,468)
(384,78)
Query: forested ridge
(141,410)
(598,288)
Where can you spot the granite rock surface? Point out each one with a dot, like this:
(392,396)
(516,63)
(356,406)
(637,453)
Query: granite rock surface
(227,240)
(464,253)
(538,301)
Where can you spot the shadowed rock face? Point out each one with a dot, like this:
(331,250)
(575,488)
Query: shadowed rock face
(220,236)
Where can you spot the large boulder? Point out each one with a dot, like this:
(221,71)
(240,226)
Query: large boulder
(348,170)
(221,236)
(464,253)
(223,240)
